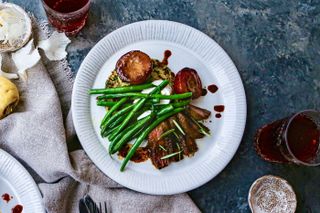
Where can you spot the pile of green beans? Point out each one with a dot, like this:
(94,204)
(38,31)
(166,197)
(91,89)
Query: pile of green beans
(121,124)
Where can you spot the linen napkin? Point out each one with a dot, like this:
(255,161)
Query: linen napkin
(38,133)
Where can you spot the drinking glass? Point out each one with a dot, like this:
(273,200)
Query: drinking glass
(67,16)
(293,139)
(300,138)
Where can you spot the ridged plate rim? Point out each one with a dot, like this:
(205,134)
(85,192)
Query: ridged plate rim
(24,185)
(158,30)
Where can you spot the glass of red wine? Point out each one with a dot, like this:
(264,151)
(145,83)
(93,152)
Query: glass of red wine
(293,139)
(67,16)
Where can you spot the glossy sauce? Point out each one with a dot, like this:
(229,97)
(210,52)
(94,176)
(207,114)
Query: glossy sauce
(303,138)
(6,197)
(17,209)
(218,115)
(139,156)
(218,108)
(204,92)
(166,56)
(213,88)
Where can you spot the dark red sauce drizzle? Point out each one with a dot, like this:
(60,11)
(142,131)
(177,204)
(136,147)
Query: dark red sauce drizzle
(6,197)
(218,108)
(17,209)
(213,88)
(166,56)
(218,115)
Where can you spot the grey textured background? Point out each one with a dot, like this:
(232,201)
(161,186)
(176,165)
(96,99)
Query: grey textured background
(276,46)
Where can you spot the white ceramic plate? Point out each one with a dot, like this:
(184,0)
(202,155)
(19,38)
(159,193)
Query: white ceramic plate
(190,48)
(17,182)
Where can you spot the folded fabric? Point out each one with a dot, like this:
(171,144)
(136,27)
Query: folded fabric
(38,134)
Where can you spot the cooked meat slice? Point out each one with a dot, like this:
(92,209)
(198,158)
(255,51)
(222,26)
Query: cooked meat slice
(155,134)
(197,113)
(190,128)
(183,145)
(172,147)
(156,153)
(192,145)
(204,127)
(154,150)
(139,156)
(181,139)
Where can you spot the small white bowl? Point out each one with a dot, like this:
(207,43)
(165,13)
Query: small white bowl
(26,36)
(272,194)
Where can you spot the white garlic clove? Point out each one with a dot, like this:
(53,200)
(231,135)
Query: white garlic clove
(25,58)
(55,46)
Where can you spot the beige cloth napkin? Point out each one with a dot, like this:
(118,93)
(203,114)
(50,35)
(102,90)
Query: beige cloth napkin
(37,135)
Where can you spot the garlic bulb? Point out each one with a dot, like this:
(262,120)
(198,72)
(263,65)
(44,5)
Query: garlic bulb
(12,26)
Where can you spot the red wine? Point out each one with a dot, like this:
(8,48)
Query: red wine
(303,138)
(266,142)
(66,6)
(301,141)
(71,17)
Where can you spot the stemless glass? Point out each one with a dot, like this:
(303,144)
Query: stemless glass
(300,138)
(293,139)
(67,16)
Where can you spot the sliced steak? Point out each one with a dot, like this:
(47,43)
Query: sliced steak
(154,150)
(156,153)
(155,134)
(190,128)
(192,145)
(181,140)
(197,113)
(173,144)
(139,156)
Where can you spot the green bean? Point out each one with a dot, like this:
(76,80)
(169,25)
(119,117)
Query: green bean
(113,109)
(145,133)
(119,136)
(112,103)
(181,103)
(117,114)
(107,132)
(136,107)
(118,121)
(141,95)
(128,135)
(155,100)
(122,117)
(132,88)
(106,103)
(165,110)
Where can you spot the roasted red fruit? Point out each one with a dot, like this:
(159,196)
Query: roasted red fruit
(188,80)
(134,67)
